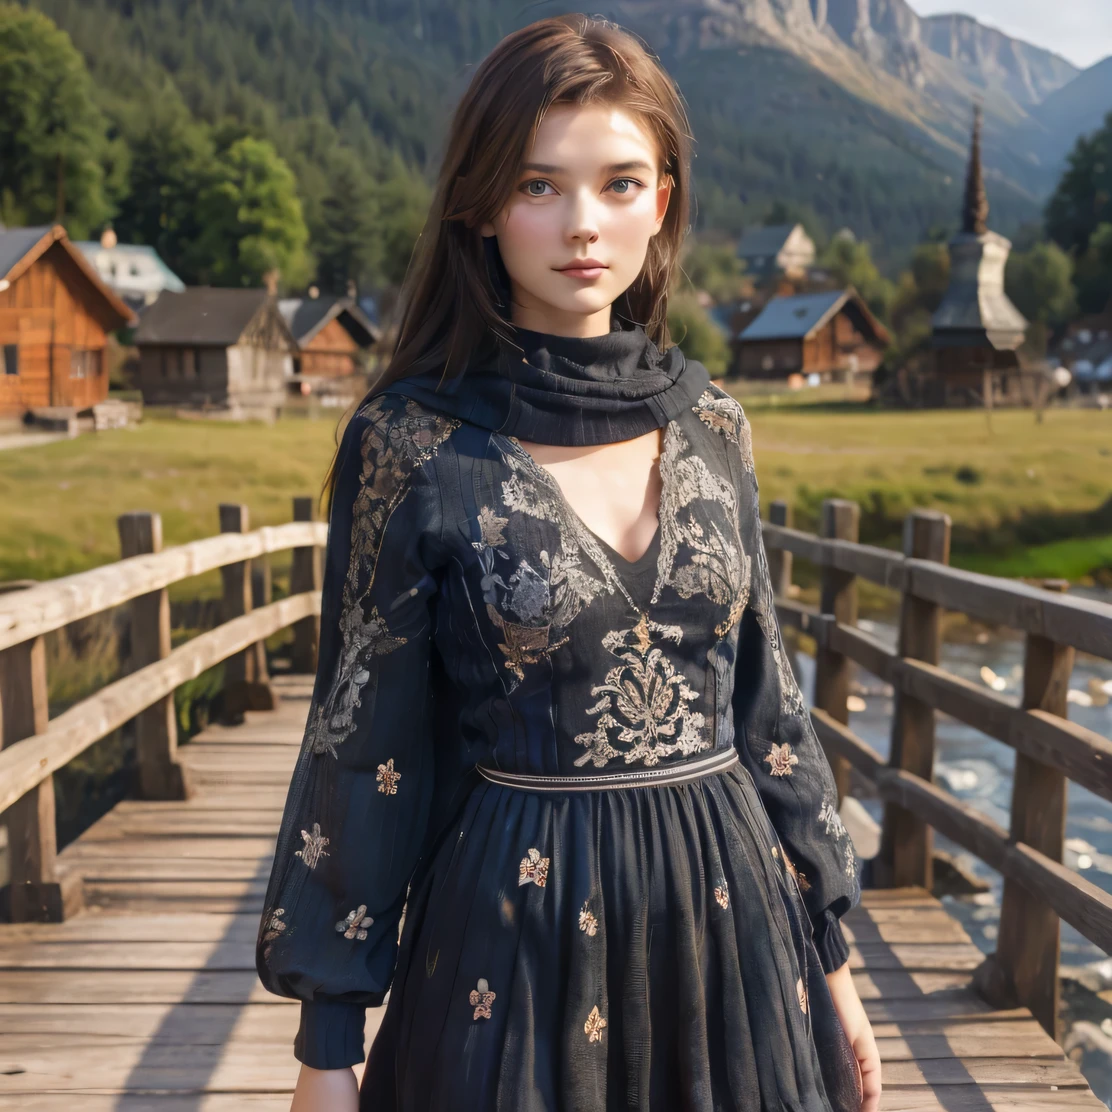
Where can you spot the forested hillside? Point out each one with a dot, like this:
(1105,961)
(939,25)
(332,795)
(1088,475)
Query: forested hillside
(353,95)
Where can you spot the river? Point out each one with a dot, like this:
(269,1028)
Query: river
(979,770)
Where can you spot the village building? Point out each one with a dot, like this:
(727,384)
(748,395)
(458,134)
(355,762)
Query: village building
(1086,352)
(55,319)
(832,335)
(136,272)
(976,331)
(781,249)
(226,352)
(334,337)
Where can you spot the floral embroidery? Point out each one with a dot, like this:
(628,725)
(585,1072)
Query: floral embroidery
(645,701)
(356,924)
(594,1025)
(587,921)
(722,895)
(831,820)
(273,929)
(481,999)
(313,849)
(791,699)
(801,994)
(533,869)
(851,861)
(780,760)
(396,443)
(387,778)
(718,567)
(722,413)
(363,638)
(522,644)
(491,526)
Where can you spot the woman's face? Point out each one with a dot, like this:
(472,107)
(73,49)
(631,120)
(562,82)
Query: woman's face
(589,190)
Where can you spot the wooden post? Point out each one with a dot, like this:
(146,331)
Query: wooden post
(1024,969)
(841,520)
(906,843)
(779,561)
(246,684)
(37,892)
(160,774)
(305,575)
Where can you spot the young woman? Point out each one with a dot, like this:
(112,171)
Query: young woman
(553,719)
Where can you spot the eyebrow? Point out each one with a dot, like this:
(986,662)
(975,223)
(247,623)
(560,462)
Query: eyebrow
(613,168)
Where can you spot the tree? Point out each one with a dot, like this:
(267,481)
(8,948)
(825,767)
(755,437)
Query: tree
(1040,283)
(347,239)
(250,218)
(713,267)
(692,329)
(403,200)
(1083,199)
(850,262)
(54,147)
(1094,271)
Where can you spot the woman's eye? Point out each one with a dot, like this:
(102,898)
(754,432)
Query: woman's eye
(528,187)
(627,182)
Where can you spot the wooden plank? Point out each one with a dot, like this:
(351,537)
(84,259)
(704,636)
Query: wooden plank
(985,1071)
(999,1098)
(176,1022)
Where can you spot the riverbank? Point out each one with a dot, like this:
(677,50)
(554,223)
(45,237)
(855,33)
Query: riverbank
(1025,498)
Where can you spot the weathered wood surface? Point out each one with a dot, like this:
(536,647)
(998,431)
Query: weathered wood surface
(149,999)
(49,606)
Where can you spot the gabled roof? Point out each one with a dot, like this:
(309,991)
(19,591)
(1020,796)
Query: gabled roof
(21,247)
(306,316)
(91,249)
(206,316)
(796,318)
(763,242)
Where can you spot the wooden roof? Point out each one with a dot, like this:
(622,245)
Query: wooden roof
(205,316)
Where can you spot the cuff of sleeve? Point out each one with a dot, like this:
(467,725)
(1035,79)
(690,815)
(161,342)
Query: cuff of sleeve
(830,942)
(330,1036)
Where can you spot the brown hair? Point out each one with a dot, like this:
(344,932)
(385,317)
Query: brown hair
(455,295)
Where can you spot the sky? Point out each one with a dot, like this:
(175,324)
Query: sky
(1079,30)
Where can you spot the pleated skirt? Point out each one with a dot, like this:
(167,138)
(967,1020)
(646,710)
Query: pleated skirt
(639,949)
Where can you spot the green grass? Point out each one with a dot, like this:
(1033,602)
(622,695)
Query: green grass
(1025,498)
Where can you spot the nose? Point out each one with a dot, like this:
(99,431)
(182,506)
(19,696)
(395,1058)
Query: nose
(583,217)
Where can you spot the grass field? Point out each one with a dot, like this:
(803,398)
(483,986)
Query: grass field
(1025,498)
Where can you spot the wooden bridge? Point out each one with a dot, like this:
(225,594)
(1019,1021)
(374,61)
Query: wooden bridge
(127,972)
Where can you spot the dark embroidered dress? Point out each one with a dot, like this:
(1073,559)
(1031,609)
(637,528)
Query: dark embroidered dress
(644,925)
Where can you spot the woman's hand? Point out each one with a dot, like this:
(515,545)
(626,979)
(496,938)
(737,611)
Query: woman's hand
(859,1031)
(325,1091)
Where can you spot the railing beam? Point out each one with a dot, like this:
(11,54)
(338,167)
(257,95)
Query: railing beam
(36,891)
(841,520)
(906,848)
(161,776)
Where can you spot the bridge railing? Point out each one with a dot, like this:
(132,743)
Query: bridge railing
(1039,890)
(34,746)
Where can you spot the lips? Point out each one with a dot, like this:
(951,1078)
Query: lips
(583,268)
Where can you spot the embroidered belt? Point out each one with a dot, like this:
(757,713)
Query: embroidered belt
(611,781)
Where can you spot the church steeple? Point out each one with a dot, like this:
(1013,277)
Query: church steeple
(974,216)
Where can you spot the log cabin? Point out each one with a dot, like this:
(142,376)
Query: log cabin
(333,338)
(55,318)
(225,352)
(830,334)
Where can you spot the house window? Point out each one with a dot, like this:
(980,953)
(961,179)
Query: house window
(84,364)
(11,359)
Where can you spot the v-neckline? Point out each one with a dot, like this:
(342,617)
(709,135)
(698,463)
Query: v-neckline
(631,568)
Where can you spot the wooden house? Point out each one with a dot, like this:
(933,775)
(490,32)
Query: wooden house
(333,337)
(227,352)
(55,318)
(780,249)
(830,334)
(135,271)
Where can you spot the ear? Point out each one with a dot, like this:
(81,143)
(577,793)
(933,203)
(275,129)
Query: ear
(663,196)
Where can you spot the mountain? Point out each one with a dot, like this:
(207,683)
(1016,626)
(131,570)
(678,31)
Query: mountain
(849,112)
(1076,109)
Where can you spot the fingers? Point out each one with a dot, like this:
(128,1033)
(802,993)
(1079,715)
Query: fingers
(870,1083)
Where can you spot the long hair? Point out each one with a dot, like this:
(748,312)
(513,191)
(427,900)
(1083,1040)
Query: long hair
(455,296)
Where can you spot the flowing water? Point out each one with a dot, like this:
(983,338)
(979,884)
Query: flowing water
(978,770)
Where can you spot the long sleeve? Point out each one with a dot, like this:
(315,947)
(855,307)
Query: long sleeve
(357,811)
(778,744)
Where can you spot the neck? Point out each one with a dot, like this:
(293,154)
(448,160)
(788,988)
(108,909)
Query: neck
(558,322)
